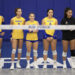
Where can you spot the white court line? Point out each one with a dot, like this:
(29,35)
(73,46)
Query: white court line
(15,58)
(4,59)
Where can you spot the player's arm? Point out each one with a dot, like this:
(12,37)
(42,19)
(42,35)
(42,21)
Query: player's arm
(43,22)
(56,31)
(11,23)
(2,19)
(56,22)
(35,31)
(24,22)
(2,30)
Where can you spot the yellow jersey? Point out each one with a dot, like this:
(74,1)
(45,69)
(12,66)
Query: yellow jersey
(18,34)
(32,36)
(51,21)
(1,22)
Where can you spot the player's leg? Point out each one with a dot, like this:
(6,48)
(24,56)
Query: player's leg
(64,54)
(14,46)
(28,46)
(72,47)
(45,52)
(54,52)
(20,44)
(0,46)
(35,48)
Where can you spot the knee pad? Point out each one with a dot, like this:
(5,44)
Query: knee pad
(64,54)
(45,52)
(19,50)
(54,52)
(28,54)
(13,51)
(0,50)
(35,53)
(72,52)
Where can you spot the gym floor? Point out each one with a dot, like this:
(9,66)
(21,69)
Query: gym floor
(38,72)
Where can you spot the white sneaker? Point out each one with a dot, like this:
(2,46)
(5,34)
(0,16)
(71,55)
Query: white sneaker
(18,65)
(35,65)
(28,66)
(12,67)
(64,66)
(55,65)
(72,62)
(72,65)
(45,66)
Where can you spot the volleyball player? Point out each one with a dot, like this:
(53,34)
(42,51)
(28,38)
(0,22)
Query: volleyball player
(50,38)
(17,37)
(32,41)
(1,33)
(68,37)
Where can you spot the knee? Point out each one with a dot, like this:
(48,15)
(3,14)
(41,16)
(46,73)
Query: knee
(64,54)
(19,50)
(35,53)
(54,52)
(13,51)
(45,52)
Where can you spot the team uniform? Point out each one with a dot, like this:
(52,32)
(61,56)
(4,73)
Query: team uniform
(1,18)
(18,34)
(31,36)
(49,33)
(67,34)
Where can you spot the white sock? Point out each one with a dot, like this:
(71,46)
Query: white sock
(35,62)
(0,50)
(64,62)
(28,61)
(45,61)
(18,61)
(12,62)
(54,61)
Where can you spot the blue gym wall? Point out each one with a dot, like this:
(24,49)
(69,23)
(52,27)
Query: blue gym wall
(39,7)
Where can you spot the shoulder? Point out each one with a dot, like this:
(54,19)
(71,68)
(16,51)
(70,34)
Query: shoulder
(13,18)
(44,19)
(73,18)
(63,19)
(55,19)
(1,16)
(23,18)
(27,22)
(36,21)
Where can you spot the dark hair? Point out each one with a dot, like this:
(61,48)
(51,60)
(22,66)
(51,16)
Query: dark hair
(31,13)
(16,10)
(66,10)
(48,11)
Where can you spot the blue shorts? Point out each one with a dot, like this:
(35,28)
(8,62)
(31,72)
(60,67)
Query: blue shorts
(32,41)
(1,36)
(46,36)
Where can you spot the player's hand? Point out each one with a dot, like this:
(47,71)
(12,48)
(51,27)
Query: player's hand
(35,31)
(30,30)
(2,34)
